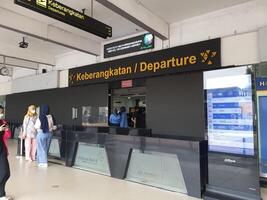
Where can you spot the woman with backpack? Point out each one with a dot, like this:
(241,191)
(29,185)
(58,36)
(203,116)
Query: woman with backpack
(44,126)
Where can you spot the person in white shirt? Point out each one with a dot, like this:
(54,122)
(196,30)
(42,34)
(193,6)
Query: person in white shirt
(44,126)
(29,133)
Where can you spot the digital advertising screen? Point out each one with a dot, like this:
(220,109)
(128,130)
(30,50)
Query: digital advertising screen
(230,115)
(261,87)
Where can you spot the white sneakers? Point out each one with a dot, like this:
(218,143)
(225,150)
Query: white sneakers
(6,198)
(42,165)
(29,159)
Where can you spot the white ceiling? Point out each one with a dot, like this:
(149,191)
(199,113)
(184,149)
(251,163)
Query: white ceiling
(13,38)
(177,10)
(121,27)
(169,10)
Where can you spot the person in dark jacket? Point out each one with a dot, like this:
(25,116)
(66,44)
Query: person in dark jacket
(124,118)
(140,118)
(4,165)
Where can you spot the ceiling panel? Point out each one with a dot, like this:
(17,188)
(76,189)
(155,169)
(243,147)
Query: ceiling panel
(121,26)
(13,38)
(176,10)
(169,10)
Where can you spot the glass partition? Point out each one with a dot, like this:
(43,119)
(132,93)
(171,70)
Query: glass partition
(54,148)
(157,169)
(92,158)
(17,132)
(94,116)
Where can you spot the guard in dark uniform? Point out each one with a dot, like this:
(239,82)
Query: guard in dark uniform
(4,166)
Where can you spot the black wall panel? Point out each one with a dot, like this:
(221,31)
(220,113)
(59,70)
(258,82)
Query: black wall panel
(175,105)
(60,101)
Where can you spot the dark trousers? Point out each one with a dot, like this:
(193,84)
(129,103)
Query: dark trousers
(114,125)
(4,173)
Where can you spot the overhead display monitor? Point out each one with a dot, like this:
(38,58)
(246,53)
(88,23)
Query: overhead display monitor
(63,13)
(230,114)
(130,45)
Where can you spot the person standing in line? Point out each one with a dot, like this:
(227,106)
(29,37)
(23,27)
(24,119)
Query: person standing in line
(29,133)
(115,118)
(44,126)
(4,165)
(140,118)
(124,118)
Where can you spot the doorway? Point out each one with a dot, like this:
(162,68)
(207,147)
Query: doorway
(134,100)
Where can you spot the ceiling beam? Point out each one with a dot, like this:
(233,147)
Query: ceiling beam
(15,62)
(134,11)
(12,51)
(29,26)
(16,66)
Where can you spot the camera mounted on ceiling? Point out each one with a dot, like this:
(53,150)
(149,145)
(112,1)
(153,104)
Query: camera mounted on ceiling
(23,44)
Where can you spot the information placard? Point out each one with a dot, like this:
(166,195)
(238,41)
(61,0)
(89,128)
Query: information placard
(191,57)
(63,13)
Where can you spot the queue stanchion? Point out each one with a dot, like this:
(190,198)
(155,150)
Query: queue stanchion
(20,145)
(20,142)
(20,148)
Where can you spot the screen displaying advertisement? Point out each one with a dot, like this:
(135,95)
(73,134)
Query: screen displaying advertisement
(130,45)
(262,130)
(230,114)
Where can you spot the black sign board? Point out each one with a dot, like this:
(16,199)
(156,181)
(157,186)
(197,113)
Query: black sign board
(130,45)
(67,15)
(192,57)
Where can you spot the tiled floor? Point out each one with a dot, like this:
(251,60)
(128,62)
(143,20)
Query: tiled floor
(264,194)
(62,183)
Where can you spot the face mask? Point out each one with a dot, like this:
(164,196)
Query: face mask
(1,116)
(33,111)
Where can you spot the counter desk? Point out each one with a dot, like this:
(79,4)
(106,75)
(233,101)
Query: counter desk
(177,165)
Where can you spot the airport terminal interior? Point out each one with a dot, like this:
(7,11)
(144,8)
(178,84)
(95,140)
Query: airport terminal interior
(133,99)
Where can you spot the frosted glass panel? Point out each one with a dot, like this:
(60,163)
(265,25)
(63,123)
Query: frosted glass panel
(16,133)
(156,169)
(94,116)
(54,149)
(92,158)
